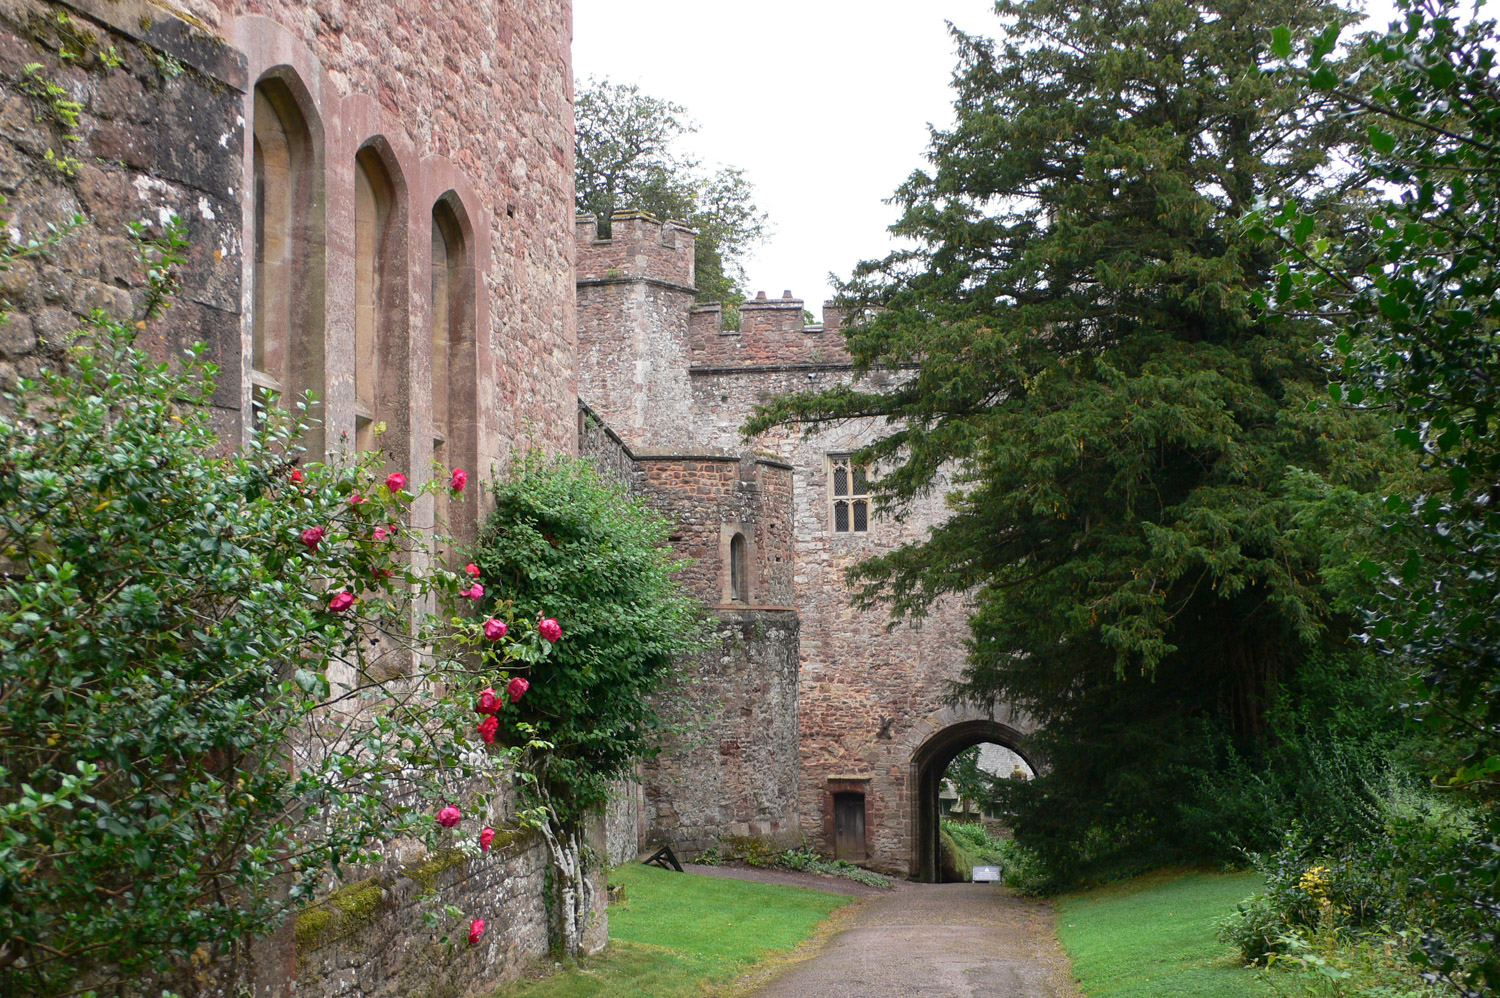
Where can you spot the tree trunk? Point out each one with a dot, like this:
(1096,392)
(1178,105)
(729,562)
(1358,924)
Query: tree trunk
(575,900)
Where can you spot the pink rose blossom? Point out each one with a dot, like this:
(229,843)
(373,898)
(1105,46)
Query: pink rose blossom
(356,499)
(341,602)
(549,630)
(459,480)
(486,837)
(473,592)
(382,573)
(312,536)
(449,816)
(476,931)
(488,701)
(395,481)
(494,629)
(517,688)
(472,569)
(381,533)
(487,729)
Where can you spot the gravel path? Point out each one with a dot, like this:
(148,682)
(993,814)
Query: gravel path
(924,941)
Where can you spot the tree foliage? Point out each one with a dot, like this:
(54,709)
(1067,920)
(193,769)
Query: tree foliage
(1411,303)
(627,158)
(1146,504)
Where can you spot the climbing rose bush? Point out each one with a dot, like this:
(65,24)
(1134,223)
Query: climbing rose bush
(211,692)
(595,570)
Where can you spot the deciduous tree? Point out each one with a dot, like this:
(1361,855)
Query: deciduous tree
(627,157)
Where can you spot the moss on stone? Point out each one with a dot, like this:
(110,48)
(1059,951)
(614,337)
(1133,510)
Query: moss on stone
(345,909)
(426,871)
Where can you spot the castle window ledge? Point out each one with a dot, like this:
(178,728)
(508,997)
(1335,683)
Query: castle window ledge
(264,382)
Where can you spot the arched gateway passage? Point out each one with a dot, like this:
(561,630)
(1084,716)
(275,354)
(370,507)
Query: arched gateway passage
(928,764)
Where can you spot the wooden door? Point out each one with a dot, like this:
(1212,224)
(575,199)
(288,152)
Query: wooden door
(849,827)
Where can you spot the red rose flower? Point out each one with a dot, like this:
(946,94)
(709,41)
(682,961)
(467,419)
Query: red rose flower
(312,536)
(517,688)
(549,630)
(486,837)
(395,481)
(356,499)
(341,602)
(494,629)
(487,729)
(476,931)
(459,480)
(472,569)
(296,476)
(488,701)
(449,816)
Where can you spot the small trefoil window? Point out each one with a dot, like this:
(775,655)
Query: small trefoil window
(850,486)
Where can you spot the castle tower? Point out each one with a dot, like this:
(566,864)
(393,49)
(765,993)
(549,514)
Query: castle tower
(635,294)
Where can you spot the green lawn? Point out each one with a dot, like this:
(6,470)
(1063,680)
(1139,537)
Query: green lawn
(1155,936)
(677,932)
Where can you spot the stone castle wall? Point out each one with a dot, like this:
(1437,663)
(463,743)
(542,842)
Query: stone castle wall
(733,771)
(166,131)
(872,702)
(145,147)
(772,331)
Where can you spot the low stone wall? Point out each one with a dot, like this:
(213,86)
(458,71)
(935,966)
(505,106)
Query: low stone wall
(370,940)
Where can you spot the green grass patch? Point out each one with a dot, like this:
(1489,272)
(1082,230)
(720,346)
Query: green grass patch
(676,933)
(1156,936)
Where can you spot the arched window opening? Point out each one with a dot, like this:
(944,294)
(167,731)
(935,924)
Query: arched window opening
(454,390)
(373,202)
(286,356)
(739,574)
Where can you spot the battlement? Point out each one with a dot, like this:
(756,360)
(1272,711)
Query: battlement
(772,331)
(640,247)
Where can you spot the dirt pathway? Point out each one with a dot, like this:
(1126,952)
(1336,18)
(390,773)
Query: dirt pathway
(927,940)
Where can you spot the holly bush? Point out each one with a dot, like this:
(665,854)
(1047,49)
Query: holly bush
(218,687)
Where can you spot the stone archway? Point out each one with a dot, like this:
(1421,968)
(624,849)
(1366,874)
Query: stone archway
(937,742)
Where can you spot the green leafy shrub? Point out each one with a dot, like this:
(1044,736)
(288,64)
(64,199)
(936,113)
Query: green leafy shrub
(1408,879)
(211,696)
(565,544)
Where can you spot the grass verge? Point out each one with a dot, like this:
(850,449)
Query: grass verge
(676,933)
(1156,936)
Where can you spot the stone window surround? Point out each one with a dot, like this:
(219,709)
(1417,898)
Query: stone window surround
(831,463)
(342,127)
(727,534)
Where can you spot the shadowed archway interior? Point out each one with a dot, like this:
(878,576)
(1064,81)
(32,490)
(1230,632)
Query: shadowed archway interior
(928,764)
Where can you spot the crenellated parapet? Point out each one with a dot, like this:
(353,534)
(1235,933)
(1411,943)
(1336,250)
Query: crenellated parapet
(773,331)
(639,247)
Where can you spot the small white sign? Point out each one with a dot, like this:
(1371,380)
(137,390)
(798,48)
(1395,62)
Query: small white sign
(986,874)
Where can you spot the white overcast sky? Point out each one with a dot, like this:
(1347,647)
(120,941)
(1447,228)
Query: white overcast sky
(824,103)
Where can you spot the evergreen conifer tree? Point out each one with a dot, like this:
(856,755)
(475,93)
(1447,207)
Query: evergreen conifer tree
(1139,471)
